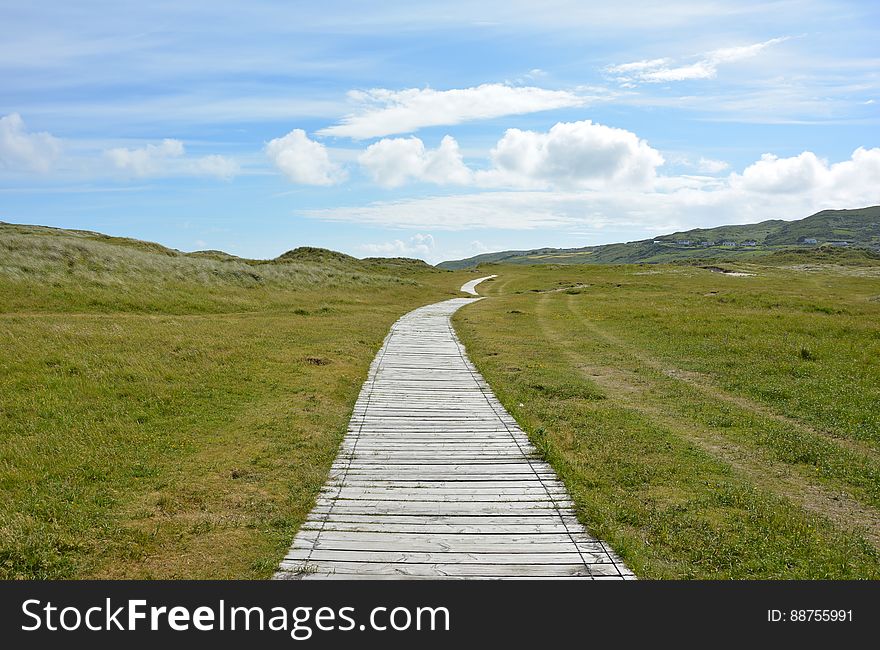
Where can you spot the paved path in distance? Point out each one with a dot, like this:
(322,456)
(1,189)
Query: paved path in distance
(436,480)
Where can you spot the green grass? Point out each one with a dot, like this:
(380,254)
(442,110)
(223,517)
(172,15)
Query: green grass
(173,415)
(708,426)
(165,415)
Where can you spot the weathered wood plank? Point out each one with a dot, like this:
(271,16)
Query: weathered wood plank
(434,529)
(421,557)
(438,570)
(521,550)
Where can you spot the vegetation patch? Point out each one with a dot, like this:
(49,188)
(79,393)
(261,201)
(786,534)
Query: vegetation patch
(703,433)
(173,415)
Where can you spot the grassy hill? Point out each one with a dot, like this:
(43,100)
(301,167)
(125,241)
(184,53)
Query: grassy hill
(859,228)
(173,415)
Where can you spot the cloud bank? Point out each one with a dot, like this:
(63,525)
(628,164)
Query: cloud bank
(168,159)
(786,188)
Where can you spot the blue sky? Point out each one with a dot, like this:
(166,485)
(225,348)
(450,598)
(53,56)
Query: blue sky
(436,131)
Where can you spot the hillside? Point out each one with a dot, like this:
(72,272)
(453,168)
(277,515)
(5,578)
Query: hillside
(45,266)
(857,228)
(174,415)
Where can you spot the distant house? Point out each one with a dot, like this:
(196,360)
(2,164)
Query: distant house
(811,240)
(683,242)
(728,243)
(750,242)
(707,243)
(840,243)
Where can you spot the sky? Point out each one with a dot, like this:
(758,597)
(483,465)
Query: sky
(436,130)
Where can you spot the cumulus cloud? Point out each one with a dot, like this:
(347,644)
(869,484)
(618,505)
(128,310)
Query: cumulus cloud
(572,154)
(569,155)
(385,112)
(391,162)
(787,188)
(304,161)
(852,181)
(774,174)
(419,245)
(168,158)
(706,67)
(21,149)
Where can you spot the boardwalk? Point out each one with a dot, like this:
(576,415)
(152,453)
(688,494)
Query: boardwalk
(436,480)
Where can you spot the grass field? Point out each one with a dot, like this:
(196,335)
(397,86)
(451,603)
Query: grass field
(173,416)
(707,425)
(170,415)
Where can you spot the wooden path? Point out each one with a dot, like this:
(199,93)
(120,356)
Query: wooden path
(436,480)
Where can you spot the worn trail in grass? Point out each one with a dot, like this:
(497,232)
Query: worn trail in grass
(677,407)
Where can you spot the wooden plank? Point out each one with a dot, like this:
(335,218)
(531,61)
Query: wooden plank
(450,494)
(529,482)
(437,570)
(452,539)
(434,529)
(458,519)
(422,557)
(520,550)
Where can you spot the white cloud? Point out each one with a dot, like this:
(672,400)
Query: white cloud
(787,188)
(214,165)
(698,70)
(391,162)
(773,174)
(731,54)
(663,70)
(386,112)
(147,160)
(168,159)
(419,245)
(304,161)
(572,154)
(710,166)
(854,181)
(637,66)
(24,150)
(569,155)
